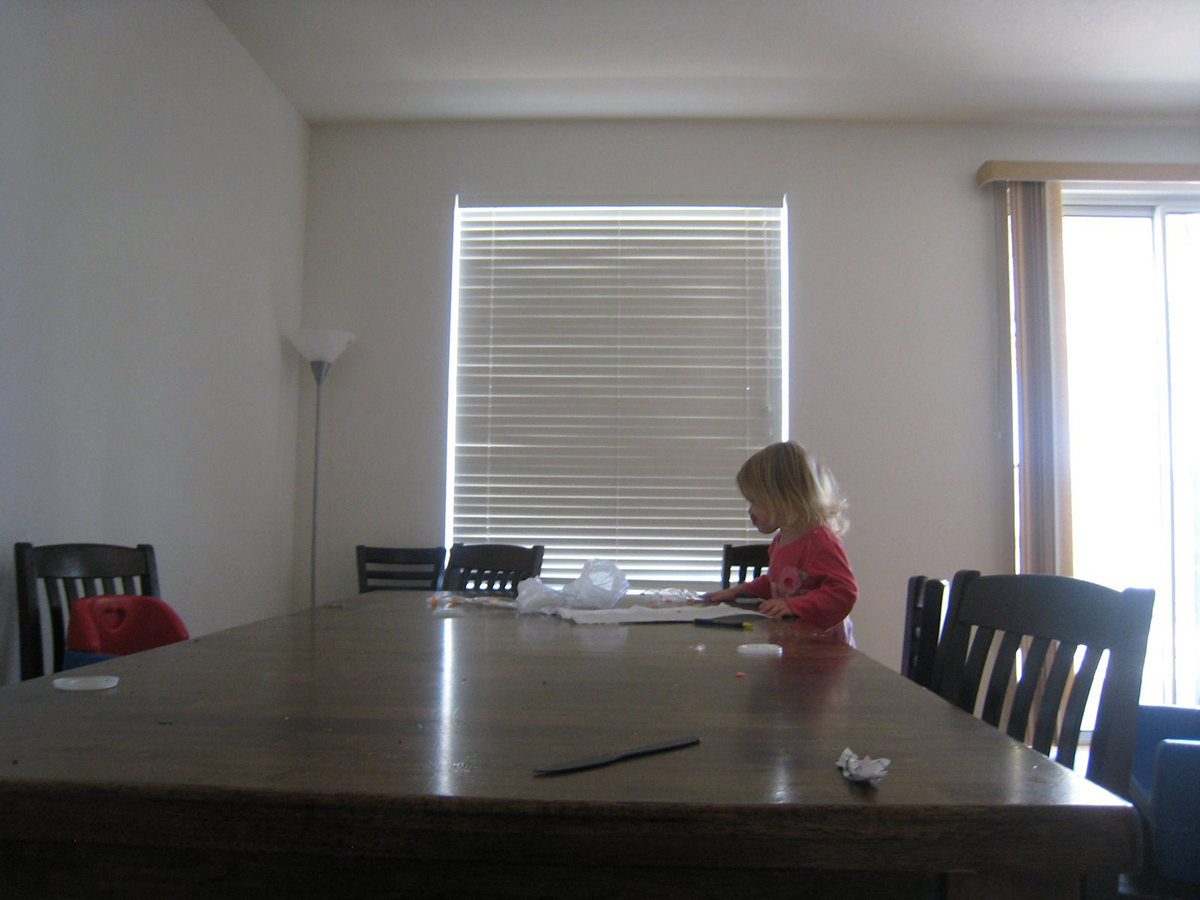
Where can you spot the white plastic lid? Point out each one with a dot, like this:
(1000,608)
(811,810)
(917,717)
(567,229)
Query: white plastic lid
(760,649)
(86,682)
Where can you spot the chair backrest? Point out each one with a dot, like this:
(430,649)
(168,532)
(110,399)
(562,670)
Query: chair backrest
(61,574)
(749,560)
(491,568)
(1049,620)
(400,568)
(122,624)
(922,628)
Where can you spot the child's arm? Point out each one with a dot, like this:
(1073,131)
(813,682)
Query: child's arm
(823,607)
(759,587)
(730,593)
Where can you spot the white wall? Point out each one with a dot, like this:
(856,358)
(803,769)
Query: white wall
(898,373)
(152,186)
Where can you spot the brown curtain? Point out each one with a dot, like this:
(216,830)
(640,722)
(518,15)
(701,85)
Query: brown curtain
(1043,473)
(1039,312)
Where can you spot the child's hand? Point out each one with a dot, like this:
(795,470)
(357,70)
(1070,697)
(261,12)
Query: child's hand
(775,608)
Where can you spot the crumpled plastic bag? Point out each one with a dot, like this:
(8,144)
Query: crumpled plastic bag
(534,596)
(670,597)
(443,602)
(599,586)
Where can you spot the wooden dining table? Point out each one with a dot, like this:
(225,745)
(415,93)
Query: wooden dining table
(380,748)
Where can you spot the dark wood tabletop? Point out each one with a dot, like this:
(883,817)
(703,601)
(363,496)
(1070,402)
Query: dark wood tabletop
(372,747)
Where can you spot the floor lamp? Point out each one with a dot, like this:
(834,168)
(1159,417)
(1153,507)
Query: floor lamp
(320,347)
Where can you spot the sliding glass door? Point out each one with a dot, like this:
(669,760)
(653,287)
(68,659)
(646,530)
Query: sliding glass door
(1132,278)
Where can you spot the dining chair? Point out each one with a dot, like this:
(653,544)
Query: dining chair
(922,628)
(400,568)
(60,574)
(491,568)
(1024,651)
(748,559)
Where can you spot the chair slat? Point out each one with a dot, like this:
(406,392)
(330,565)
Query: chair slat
(1031,677)
(981,648)
(929,631)
(59,609)
(952,645)
(912,623)
(1045,728)
(1072,720)
(1002,673)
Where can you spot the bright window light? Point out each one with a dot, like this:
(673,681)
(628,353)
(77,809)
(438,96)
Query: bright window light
(612,367)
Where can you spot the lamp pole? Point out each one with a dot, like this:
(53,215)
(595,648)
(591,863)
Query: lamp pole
(320,347)
(319,368)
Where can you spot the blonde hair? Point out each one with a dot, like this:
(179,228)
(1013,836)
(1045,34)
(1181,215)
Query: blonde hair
(793,486)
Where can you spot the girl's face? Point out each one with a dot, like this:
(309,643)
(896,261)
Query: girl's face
(762,518)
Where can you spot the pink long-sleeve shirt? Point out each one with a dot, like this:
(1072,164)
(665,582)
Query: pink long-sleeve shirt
(811,573)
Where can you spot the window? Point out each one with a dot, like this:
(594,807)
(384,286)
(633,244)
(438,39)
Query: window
(1104,292)
(1131,263)
(612,367)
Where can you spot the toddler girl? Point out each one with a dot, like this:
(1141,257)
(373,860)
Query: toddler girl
(809,575)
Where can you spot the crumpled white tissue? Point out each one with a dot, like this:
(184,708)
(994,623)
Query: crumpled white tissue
(856,768)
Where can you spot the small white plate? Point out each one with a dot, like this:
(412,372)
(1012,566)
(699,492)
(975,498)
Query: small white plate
(86,683)
(760,649)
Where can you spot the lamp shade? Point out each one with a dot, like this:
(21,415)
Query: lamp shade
(321,344)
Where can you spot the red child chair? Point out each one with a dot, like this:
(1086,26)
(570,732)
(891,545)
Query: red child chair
(117,624)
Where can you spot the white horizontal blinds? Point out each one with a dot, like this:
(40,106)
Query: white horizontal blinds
(615,367)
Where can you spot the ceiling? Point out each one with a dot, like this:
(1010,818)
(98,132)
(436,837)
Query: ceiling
(1100,61)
